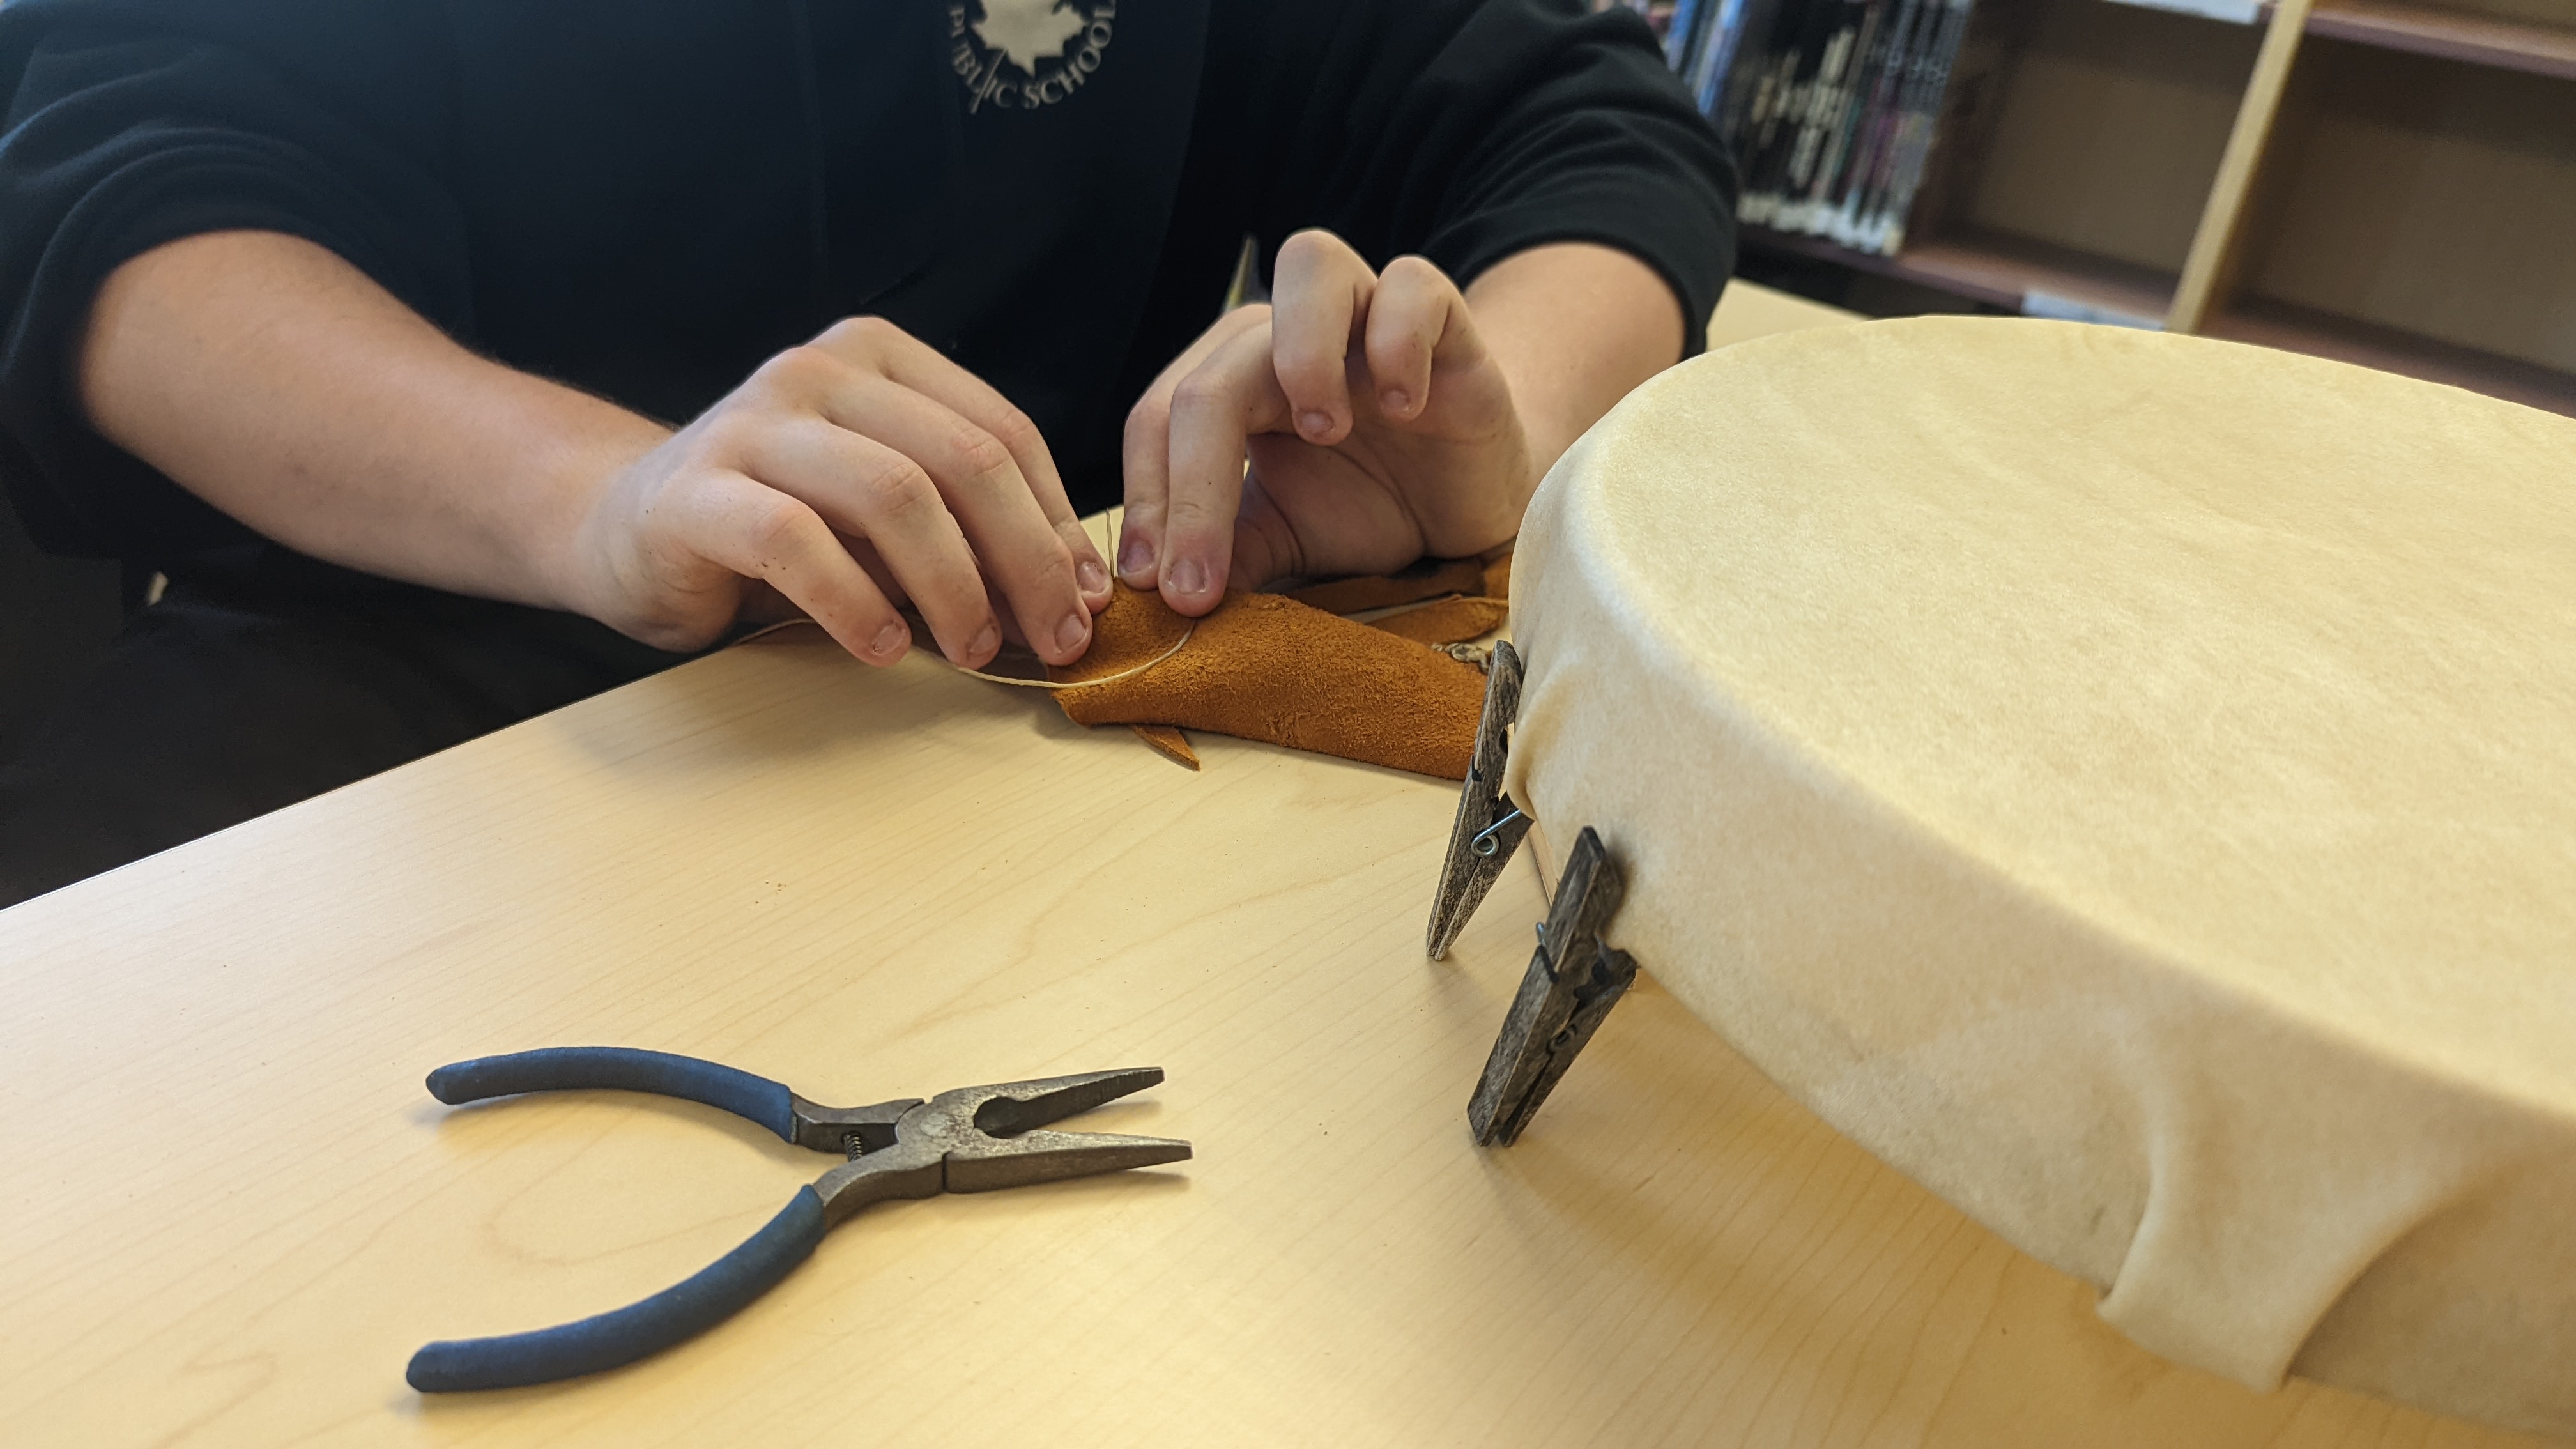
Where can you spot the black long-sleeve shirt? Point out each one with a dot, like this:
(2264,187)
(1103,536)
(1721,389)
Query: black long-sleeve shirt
(645,198)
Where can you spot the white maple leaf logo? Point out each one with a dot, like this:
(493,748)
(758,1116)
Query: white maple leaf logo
(1029,31)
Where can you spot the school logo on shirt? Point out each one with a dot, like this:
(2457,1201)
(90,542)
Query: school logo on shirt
(1024,54)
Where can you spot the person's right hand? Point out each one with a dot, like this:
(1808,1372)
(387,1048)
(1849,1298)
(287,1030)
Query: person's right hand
(850,474)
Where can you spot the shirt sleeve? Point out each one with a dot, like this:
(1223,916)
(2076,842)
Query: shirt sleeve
(130,123)
(1468,130)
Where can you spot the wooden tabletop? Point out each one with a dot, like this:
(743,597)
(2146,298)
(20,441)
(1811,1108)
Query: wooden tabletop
(232,1211)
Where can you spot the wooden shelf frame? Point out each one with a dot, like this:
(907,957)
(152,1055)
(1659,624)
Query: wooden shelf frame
(1994,269)
(2269,323)
(2480,40)
(2217,247)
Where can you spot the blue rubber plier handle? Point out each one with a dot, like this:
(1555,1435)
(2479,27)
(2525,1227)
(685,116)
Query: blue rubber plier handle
(974,1139)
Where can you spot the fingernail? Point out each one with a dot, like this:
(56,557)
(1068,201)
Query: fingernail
(1070,634)
(1089,576)
(1135,556)
(1189,576)
(890,640)
(1314,424)
(985,646)
(1394,399)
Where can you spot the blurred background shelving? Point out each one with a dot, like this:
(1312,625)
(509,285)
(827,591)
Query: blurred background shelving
(2388,182)
(2507,37)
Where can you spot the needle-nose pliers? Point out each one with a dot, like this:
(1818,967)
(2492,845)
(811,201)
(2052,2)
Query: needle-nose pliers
(973,1139)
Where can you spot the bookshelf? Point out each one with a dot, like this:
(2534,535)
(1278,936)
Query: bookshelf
(2389,182)
(1997,270)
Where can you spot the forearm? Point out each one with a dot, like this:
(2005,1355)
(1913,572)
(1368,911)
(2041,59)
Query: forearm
(1574,327)
(277,382)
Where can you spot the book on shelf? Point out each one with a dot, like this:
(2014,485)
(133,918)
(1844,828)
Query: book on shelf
(1703,41)
(1830,106)
(1827,202)
(1960,98)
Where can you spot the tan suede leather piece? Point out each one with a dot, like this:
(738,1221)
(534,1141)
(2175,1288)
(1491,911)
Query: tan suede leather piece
(1265,667)
(1446,621)
(1168,742)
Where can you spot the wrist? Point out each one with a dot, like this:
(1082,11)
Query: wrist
(1574,326)
(569,540)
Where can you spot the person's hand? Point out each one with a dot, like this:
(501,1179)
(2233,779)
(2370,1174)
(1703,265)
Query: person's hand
(849,475)
(1377,425)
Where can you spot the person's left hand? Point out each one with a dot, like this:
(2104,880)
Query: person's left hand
(1378,427)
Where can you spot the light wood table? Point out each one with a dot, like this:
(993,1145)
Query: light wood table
(232,1211)
(1747,310)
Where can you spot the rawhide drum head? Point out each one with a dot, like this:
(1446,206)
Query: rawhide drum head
(2128,783)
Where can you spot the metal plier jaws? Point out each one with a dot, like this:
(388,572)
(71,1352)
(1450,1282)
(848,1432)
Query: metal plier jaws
(973,1139)
(1489,826)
